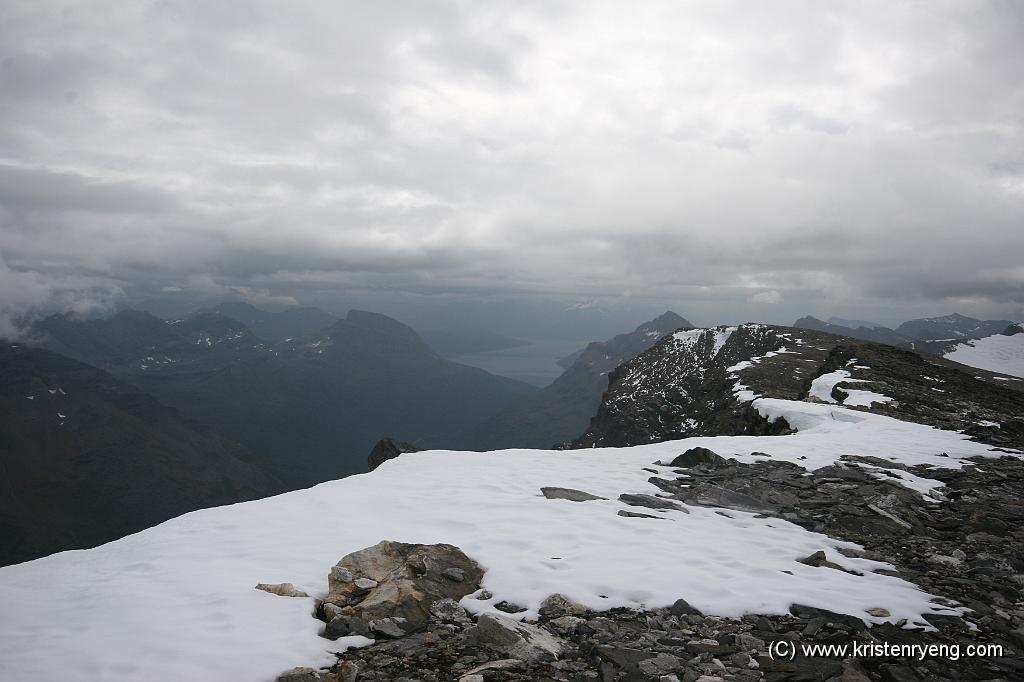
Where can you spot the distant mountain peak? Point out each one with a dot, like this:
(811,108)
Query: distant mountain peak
(381,323)
(667,321)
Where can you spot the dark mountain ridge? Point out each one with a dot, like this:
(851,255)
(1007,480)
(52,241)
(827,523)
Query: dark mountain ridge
(86,458)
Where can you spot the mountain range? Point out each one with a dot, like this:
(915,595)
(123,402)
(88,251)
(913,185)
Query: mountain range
(935,335)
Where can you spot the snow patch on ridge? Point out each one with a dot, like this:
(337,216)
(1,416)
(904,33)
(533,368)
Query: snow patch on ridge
(690,337)
(997,353)
(821,389)
(721,336)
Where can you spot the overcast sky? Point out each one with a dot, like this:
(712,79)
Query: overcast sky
(731,160)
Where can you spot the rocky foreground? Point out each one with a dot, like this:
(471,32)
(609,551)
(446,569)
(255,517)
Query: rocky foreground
(965,545)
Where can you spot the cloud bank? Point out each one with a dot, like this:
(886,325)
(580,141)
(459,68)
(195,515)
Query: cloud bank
(721,154)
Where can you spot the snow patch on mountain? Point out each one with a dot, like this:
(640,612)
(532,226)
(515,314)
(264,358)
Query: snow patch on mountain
(821,389)
(997,353)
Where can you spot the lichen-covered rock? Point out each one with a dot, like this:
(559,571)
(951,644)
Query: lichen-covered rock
(396,580)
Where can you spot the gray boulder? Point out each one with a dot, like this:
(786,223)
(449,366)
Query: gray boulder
(651,502)
(343,625)
(558,605)
(638,515)
(710,495)
(517,640)
(568,494)
(695,456)
(390,627)
(448,611)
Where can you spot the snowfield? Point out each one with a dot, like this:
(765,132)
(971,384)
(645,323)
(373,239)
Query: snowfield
(176,602)
(997,353)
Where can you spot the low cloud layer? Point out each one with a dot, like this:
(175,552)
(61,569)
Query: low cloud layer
(726,156)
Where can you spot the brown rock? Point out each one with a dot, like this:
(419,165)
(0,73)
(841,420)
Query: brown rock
(281,589)
(396,580)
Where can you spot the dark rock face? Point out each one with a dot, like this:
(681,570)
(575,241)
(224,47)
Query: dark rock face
(388,448)
(686,386)
(85,458)
(559,412)
(390,588)
(683,386)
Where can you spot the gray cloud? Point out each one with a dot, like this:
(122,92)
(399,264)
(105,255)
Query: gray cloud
(724,157)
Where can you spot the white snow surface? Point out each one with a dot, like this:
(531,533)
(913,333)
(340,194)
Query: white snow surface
(721,336)
(857,398)
(821,388)
(997,353)
(176,602)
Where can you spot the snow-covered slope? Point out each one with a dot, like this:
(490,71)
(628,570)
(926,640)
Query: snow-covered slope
(997,353)
(176,602)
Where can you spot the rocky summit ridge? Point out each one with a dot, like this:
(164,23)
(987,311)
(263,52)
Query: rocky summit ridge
(701,382)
